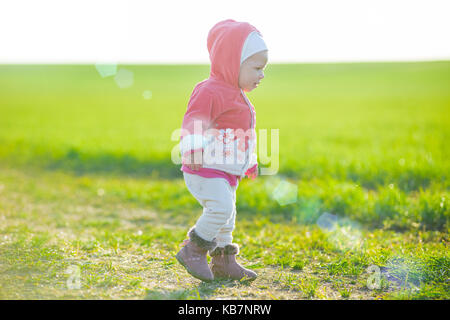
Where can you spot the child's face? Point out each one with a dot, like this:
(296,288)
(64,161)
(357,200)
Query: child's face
(252,71)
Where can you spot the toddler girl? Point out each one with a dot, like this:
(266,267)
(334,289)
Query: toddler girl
(217,145)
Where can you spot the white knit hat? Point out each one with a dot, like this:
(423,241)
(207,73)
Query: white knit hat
(253,44)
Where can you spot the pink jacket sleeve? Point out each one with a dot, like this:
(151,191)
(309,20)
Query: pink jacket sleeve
(196,121)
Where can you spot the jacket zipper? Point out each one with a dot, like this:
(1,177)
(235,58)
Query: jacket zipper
(251,127)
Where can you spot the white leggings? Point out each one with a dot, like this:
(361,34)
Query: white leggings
(218,200)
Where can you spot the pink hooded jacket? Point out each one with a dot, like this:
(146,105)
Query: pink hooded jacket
(220,120)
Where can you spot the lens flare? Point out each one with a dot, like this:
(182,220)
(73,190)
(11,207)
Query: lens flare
(343,233)
(285,193)
(404,272)
(124,78)
(147,94)
(106,69)
(327,221)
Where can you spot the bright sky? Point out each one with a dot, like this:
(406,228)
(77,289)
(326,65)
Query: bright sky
(138,31)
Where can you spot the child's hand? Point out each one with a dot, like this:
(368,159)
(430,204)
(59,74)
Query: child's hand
(252,173)
(190,160)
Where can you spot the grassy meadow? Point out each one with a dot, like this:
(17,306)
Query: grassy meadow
(92,206)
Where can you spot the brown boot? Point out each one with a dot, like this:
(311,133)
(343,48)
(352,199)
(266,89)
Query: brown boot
(224,265)
(193,256)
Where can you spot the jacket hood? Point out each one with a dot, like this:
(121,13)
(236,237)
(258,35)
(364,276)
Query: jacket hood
(225,42)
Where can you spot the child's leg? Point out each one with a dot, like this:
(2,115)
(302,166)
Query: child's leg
(218,200)
(223,262)
(225,235)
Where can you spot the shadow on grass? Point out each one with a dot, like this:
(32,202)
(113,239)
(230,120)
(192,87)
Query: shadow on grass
(114,164)
(205,290)
(160,166)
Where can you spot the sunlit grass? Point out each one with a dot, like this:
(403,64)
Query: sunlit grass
(86,180)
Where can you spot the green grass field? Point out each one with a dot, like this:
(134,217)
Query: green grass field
(92,207)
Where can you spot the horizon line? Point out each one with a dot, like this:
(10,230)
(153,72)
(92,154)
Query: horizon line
(127,62)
